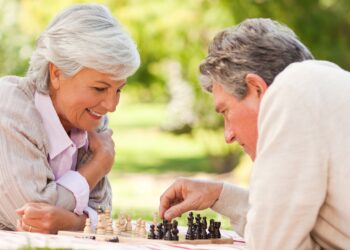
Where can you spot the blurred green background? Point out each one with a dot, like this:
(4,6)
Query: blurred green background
(165,126)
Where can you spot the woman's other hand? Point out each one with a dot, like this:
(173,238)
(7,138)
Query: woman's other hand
(47,219)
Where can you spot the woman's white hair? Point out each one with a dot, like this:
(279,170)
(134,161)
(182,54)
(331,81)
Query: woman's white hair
(83,36)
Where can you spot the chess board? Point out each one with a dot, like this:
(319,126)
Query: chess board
(125,237)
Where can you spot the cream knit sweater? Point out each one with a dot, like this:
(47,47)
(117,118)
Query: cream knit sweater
(299,190)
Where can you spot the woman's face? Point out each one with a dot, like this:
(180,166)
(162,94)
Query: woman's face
(81,100)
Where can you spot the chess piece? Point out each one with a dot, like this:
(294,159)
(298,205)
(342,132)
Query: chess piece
(204,222)
(109,227)
(114,239)
(217,233)
(138,226)
(116,228)
(143,231)
(175,231)
(128,224)
(122,223)
(155,218)
(151,234)
(87,228)
(100,224)
(211,229)
(190,233)
(167,235)
(159,232)
(203,232)
(165,227)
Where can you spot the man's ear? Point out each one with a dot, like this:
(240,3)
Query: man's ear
(256,85)
(55,75)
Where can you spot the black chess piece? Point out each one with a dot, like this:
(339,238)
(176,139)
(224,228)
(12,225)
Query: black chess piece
(175,231)
(168,235)
(159,232)
(190,233)
(204,222)
(197,233)
(211,229)
(165,223)
(204,234)
(217,234)
(151,234)
(114,239)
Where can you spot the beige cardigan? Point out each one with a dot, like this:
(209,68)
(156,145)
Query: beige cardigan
(25,174)
(299,191)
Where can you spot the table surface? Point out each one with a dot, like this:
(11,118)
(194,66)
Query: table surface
(15,240)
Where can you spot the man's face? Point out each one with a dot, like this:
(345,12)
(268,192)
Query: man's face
(240,117)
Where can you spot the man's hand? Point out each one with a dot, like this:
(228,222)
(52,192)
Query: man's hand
(188,194)
(47,219)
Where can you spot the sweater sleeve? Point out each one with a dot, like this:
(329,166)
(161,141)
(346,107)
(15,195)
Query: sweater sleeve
(233,203)
(25,175)
(289,179)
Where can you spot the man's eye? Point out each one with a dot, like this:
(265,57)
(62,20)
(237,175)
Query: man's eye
(118,91)
(99,89)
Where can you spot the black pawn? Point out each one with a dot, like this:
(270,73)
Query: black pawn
(190,234)
(204,234)
(159,232)
(204,222)
(151,234)
(217,234)
(167,235)
(211,229)
(175,231)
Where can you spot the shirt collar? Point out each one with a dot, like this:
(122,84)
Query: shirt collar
(58,137)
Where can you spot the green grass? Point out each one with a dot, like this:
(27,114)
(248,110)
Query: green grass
(142,147)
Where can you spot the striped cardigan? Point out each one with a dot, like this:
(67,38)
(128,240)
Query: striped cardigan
(25,174)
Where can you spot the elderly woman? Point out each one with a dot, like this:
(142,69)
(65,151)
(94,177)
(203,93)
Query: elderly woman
(53,160)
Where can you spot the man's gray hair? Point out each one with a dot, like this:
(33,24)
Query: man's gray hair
(260,46)
(83,36)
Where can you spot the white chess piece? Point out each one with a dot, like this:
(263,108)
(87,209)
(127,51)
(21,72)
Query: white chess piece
(155,219)
(128,224)
(100,225)
(122,223)
(138,226)
(143,231)
(87,228)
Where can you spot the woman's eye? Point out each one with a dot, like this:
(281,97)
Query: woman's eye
(99,89)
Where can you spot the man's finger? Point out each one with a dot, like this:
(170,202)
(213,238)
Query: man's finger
(178,209)
(167,198)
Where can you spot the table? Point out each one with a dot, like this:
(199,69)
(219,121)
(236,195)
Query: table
(15,240)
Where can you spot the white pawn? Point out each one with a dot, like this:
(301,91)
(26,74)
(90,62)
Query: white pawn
(100,225)
(128,224)
(138,226)
(109,228)
(87,228)
(155,219)
(143,231)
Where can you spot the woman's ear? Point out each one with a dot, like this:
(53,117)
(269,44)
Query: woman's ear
(256,85)
(55,74)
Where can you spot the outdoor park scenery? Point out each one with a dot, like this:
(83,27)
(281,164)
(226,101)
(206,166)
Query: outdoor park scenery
(165,126)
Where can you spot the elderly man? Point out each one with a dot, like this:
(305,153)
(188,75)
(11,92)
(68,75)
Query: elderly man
(291,114)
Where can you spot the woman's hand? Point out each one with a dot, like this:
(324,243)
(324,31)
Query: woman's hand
(101,146)
(47,219)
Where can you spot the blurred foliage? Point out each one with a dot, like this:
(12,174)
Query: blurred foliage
(180,30)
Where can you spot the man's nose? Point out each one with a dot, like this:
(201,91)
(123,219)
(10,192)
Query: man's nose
(229,136)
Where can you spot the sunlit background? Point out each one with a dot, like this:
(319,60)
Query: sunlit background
(165,126)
